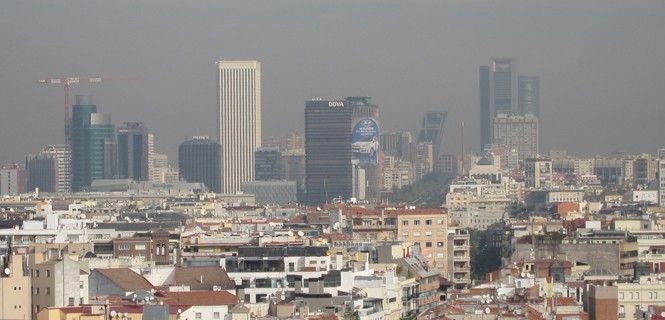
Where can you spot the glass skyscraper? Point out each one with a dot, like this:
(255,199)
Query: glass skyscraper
(92,138)
(528,95)
(328,150)
(199,161)
(133,151)
(485,109)
(501,87)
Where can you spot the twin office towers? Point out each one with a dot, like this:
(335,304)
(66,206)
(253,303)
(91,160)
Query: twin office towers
(499,107)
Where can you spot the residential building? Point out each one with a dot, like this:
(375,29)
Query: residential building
(427,228)
(398,144)
(199,160)
(328,150)
(239,104)
(538,173)
(633,297)
(15,290)
(459,257)
(57,283)
(519,132)
(133,151)
(424,159)
(12,179)
(396,173)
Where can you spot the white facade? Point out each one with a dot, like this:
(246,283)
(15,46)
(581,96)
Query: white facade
(239,106)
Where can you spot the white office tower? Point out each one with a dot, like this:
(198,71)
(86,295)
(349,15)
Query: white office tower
(239,104)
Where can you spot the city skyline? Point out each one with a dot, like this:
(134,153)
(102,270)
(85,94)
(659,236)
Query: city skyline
(158,89)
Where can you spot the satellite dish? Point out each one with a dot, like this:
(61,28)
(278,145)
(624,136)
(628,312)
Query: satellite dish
(113,313)
(261,234)
(300,233)
(487,310)
(179,311)
(290,233)
(7,271)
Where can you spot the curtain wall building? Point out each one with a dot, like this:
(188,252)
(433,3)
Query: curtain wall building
(239,106)
(328,150)
(199,160)
(133,151)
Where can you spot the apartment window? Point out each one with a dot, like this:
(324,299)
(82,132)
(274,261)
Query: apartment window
(416,222)
(428,222)
(405,222)
(428,244)
(81,284)
(48,291)
(139,247)
(215,316)
(439,222)
(37,272)
(198,315)
(71,301)
(123,247)
(48,273)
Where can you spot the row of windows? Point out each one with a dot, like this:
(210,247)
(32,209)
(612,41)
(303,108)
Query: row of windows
(35,273)
(416,222)
(429,244)
(653,295)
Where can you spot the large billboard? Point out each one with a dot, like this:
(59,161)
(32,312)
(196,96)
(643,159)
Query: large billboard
(365,141)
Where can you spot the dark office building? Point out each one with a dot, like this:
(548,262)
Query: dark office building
(199,161)
(267,164)
(42,172)
(501,86)
(328,150)
(133,151)
(91,135)
(528,95)
(485,110)
(399,144)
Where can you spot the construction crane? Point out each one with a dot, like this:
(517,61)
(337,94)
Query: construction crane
(66,82)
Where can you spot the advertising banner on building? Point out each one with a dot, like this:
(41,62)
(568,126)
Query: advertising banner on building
(365,141)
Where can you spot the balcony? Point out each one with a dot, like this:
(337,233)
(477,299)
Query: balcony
(460,258)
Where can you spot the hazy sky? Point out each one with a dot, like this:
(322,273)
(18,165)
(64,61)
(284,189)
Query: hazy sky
(601,63)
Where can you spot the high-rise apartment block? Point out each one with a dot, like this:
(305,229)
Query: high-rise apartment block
(133,151)
(396,173)
(12,179)
(328,150)
(519,132)
(239,106)
(198,161)
(538,173)
(424,159)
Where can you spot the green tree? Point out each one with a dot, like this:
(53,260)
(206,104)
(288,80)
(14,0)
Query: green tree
(486,249)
